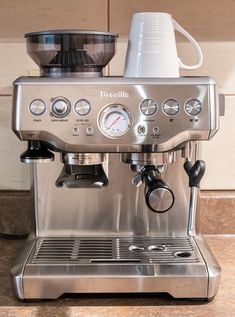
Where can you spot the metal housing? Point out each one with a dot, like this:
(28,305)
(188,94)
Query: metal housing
(106,239)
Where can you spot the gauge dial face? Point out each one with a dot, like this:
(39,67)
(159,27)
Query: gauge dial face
(115,121)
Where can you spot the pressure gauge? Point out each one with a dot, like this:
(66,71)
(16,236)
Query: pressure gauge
(115,121)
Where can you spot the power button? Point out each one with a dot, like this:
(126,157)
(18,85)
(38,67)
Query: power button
(37,107)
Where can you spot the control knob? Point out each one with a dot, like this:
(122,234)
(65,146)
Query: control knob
(82,107)
(193,107)
(171,107)
(148,106)
(60,107)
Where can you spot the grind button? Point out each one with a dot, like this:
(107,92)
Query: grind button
(60,107)
(193,107)
(37,107)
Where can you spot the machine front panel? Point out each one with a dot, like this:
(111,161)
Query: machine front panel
(114,117)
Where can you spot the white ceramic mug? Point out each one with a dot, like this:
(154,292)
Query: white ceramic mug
(152,49)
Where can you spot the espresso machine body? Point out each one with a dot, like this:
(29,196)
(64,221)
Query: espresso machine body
(116,204)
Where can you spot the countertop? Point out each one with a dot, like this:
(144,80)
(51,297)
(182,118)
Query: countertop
(134,305)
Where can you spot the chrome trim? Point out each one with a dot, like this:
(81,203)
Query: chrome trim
(214,114)
(36,160)
(115,80)
(17,270)
(213,268)
(148,158)
(83,158)
(69,31)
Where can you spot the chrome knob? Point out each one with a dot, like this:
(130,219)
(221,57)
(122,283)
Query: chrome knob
(82,107)
(171,107)
(60,107)
(193,107)
(37,107)
(148,107)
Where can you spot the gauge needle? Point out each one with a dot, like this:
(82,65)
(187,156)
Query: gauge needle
(114,121)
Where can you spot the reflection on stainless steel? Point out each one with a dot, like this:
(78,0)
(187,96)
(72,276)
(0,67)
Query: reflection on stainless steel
(149,158)
(83,158)
(116,211)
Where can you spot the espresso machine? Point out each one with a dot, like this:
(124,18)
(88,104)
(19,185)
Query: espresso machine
(116,171)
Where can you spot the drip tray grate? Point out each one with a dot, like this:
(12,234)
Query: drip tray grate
(121,250)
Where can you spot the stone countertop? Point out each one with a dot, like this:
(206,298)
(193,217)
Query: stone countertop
(136,305)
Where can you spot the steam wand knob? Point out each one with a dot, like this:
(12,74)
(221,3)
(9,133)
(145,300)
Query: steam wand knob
(195,172)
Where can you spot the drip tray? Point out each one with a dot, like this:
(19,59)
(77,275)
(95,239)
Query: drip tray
(57,266)
(111,251)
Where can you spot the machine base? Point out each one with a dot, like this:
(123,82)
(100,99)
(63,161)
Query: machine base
(184,267)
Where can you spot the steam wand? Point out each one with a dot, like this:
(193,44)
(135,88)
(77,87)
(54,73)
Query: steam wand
(195,173)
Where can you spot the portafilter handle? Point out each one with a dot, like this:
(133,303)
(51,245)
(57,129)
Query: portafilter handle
(158,195)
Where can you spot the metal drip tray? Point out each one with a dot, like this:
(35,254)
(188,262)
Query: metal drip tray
(56,266)
(92,251)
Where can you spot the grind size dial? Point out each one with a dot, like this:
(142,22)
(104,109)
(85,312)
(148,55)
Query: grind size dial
(115,121)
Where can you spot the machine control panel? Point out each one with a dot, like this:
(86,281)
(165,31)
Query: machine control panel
(115,114)
(61,107)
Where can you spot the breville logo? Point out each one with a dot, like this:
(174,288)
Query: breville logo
(115,94)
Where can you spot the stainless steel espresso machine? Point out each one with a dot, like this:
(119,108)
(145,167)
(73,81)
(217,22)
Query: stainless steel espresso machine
(116,205)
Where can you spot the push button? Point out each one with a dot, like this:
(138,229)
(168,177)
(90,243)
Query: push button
(141,129)
(89,131)
(37,107)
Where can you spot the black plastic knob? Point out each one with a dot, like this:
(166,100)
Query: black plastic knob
(195,172)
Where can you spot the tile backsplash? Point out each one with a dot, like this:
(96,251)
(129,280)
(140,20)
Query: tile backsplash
(212,23)
(216,212)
